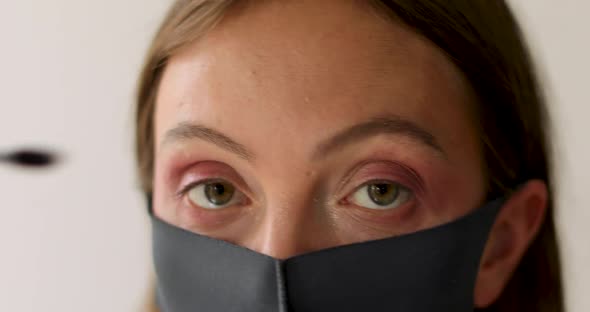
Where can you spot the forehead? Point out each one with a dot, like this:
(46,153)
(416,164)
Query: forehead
(313,41)
(298,68)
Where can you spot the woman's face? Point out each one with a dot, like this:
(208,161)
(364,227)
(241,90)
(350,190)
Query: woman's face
(297,126)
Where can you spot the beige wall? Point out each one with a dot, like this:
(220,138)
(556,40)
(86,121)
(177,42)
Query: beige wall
(559,32)
(75,238)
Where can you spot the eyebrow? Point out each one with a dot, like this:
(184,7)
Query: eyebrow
(377,126)
(188,131)
(374,127)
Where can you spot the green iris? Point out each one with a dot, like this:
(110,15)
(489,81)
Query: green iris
(383,194)
(219,193)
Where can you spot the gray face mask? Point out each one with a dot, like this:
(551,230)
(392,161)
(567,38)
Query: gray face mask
(429,270)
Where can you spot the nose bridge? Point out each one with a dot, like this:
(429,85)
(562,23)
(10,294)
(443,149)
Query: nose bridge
(291,224)
(287,229)
(293,218)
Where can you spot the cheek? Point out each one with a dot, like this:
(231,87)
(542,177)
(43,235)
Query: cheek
(459,186)
(160,196)
(165,184)
(456,191)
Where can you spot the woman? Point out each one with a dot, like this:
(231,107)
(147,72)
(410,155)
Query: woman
(290,128)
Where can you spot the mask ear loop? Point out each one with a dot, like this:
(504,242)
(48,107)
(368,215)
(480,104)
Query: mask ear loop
(150,208)
(516,189)
(150,211)
(508,192)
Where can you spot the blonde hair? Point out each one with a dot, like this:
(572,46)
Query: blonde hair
(484,41)
(185,22)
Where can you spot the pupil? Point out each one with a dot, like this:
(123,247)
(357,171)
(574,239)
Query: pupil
(383,194)
(382,188)
(219,189)
(219,193)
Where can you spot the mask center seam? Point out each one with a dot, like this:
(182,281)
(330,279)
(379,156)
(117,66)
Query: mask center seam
(281,295)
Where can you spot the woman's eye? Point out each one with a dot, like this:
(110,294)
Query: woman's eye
(214,194)
(381,195)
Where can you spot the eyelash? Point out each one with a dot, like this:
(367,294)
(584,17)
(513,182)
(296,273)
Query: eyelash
(346,200)
(371,181)
(185,189)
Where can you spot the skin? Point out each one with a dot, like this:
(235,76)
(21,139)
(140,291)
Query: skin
(282,79)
